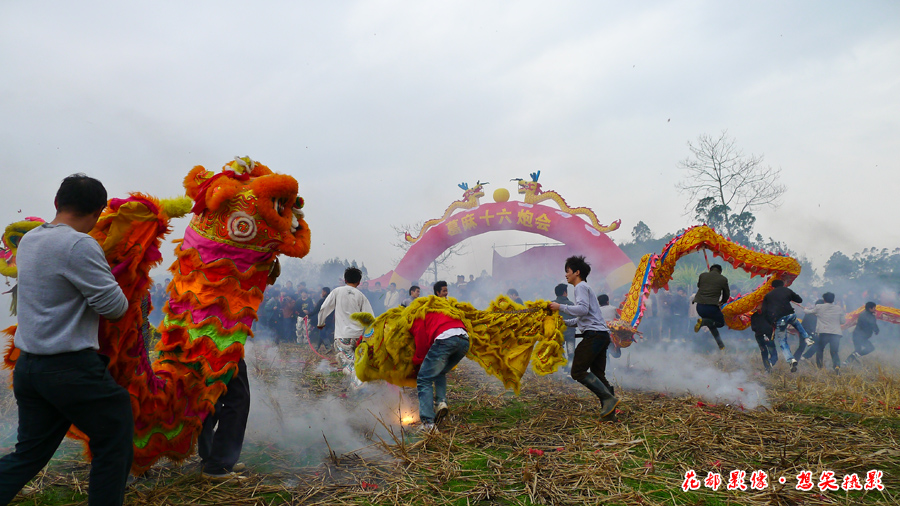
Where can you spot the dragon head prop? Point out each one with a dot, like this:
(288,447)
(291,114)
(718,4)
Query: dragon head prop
(475,192)
(249,206)
(531,187)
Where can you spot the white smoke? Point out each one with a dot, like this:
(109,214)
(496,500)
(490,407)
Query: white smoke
(677,370)
(293,418)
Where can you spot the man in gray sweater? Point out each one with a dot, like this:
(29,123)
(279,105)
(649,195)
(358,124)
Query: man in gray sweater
(65,285)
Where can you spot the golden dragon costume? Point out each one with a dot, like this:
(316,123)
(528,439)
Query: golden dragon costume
(243,217)
(655,271)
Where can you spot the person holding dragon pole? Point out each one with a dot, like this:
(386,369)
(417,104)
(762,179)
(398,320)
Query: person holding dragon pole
(591,327)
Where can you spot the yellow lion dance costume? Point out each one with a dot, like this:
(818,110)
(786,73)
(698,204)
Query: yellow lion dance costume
(503,339)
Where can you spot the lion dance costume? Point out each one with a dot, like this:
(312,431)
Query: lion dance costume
(243,218)
(503,339)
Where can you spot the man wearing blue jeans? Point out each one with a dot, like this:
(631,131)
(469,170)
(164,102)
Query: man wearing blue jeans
(65,285)
(441,343)
(777,307)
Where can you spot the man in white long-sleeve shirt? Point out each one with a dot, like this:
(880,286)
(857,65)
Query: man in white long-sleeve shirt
(344,301)
(65,285)
(591,328)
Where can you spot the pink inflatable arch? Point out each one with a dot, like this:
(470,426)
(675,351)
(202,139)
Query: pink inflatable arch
(607,261)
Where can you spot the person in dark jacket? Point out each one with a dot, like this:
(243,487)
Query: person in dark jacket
(712,293)
(762,329)
(325,335)
(810,322)
(866,325)
(779,312)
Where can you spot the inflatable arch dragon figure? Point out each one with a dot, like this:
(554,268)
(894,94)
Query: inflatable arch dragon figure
(470,199)
(243,218)
(534,195)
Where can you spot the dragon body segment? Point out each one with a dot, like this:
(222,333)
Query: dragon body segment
(655,271)
(884,313)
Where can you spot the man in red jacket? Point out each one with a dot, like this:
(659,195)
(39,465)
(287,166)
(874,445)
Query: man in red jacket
(441,343)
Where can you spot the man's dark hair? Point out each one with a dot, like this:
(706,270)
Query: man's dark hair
(413,289)
(326,290)
(716,267)
(828,297)
(561,289)
(438,286)
(578,264)
(777,283)
(512,291)
(870,305)
(352,275)
(603,299)
(81,195)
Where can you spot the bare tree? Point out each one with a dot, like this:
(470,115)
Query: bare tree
(442,262)
(725,186)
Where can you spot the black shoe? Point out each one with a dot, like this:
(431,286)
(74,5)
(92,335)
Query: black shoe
(793,365)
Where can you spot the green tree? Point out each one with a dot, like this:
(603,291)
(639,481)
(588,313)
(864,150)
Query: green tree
(840,268)
(641,233)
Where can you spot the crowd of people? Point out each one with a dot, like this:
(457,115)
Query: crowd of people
(818,326)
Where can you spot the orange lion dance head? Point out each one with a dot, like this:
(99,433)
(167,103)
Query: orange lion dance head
(249,206)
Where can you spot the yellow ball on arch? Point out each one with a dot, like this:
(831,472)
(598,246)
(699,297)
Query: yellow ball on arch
(501,195)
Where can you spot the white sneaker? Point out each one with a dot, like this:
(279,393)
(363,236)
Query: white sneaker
(793,365)
(442,411)
(428,428)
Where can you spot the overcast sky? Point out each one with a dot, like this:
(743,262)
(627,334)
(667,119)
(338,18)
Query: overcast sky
(379,109)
